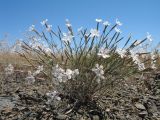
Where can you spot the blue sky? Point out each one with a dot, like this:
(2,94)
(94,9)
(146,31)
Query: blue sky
(137,16)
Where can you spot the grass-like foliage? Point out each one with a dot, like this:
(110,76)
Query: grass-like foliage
(83,66)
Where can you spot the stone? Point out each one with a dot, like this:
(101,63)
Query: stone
(143,113)
(140,106)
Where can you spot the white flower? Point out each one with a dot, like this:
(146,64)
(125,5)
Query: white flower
(153,65)
(104,53)
(117,30)
(137,61)
(39,69)
(149,37)
(118,22)
(68,24)
(32,28)
(62,76)
(48,50)
(76,72)
(121,52)
(94,33)
(49,28)
(98,20)
(153,56)
(141,66)
(44,22)
(58,73)
(9,69)
(30,78)
(53,96)
(106,23)
(67,37)
(98,70)
(69,73)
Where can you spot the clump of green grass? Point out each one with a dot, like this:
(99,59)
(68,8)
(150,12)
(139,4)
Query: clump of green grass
(83,66)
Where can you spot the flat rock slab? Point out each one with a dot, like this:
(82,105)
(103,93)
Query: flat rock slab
(6,101)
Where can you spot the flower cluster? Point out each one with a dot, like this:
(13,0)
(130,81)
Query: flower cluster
(67,37)
(60,75)
(94,33)
(31,76)
(9,69)
(52,96)
(104,52)
(137,61)
(98,70)
(121,52)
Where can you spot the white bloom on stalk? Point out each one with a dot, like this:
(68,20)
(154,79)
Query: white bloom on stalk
(30,78)
(47,50)
(58,73)
(153,56)
(68,24)
(149,37)
(44,22)
(98,70)
(9,69)
(98,20)
(153,65)
(53,96)
(94,33)
(137,61)
(117,30)
(49,28)
(153,60)
(104,52)
(121,52)
(67,37)
(32,28)
(118,22)
(62,76)
(39,69)
(106,23)
(71,74)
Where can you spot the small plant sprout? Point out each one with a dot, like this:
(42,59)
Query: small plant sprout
(9,69)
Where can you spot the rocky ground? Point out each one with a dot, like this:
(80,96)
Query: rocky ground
(131,100)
